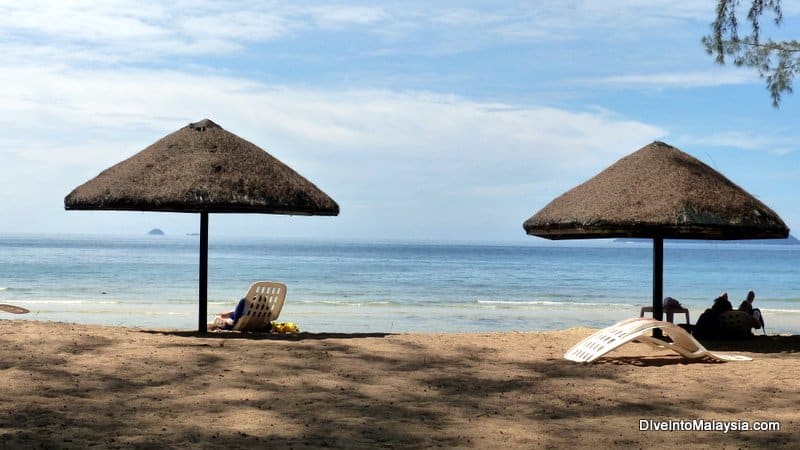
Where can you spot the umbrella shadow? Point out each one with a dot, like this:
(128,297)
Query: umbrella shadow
(291,337)
(435,396)
(757,344)
(653,361)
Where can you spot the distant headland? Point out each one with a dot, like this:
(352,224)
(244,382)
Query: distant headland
(791,240)
(155,232)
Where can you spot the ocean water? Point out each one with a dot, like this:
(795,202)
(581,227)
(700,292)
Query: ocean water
(151,282)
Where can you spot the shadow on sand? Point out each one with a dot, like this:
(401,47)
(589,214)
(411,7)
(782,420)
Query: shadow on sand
(329,390)
(756,344)
(302,336)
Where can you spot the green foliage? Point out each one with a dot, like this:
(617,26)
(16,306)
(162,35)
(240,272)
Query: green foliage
(777,62)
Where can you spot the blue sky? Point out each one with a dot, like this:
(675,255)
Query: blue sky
(446,121)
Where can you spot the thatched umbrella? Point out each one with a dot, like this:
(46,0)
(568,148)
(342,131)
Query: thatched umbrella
(204,169)
(657,192)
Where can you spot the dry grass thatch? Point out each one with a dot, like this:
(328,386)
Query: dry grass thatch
(202,168)
(657,191)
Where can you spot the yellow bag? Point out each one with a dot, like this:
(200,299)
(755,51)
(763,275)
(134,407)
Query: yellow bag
(285,327)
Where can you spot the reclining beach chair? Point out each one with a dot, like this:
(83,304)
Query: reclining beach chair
(264,301)
(633,330)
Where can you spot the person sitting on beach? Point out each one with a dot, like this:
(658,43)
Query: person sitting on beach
(747,306)
(721,304)
(227,320)
(670,302)
(708,324)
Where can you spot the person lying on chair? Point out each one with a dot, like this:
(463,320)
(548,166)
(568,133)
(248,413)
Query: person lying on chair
(226,320)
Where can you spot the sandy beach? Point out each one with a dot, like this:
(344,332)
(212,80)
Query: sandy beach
(79,386)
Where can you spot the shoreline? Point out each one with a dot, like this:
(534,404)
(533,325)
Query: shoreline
(76,386)
(152,283)
(387,319)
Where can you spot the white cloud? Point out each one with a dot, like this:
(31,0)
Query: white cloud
(774,143)
(378,152)
(695,79)
(646,12)
(82,20)
(585,19)
(85,84)
(424,127)
(135,31)
(340,16)
(236,26)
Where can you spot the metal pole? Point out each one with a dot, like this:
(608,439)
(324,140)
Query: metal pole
(658,281)
(203,307)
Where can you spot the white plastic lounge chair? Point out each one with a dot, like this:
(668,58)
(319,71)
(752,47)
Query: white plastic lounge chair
(633,330)
(264,302)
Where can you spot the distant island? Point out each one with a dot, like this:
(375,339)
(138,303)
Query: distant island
(791,240)
(155,232)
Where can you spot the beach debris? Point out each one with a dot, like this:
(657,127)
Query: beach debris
(13,309)
(285,327)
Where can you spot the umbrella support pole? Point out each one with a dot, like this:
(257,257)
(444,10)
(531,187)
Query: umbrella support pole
(658,282)
(202,326)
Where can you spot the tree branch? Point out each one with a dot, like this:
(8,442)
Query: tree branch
(777,62)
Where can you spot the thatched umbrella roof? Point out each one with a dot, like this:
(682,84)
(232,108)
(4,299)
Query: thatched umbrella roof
(657,191)
(202,168)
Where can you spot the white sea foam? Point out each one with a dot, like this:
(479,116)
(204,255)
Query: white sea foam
(564,304)
(785,311)
(54,302)
(346,303)
(381,286)
(508,302)
(69,302)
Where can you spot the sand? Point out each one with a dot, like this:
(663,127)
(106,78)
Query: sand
(79,386)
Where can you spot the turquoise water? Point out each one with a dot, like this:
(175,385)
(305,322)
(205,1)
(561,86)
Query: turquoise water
(151,282)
